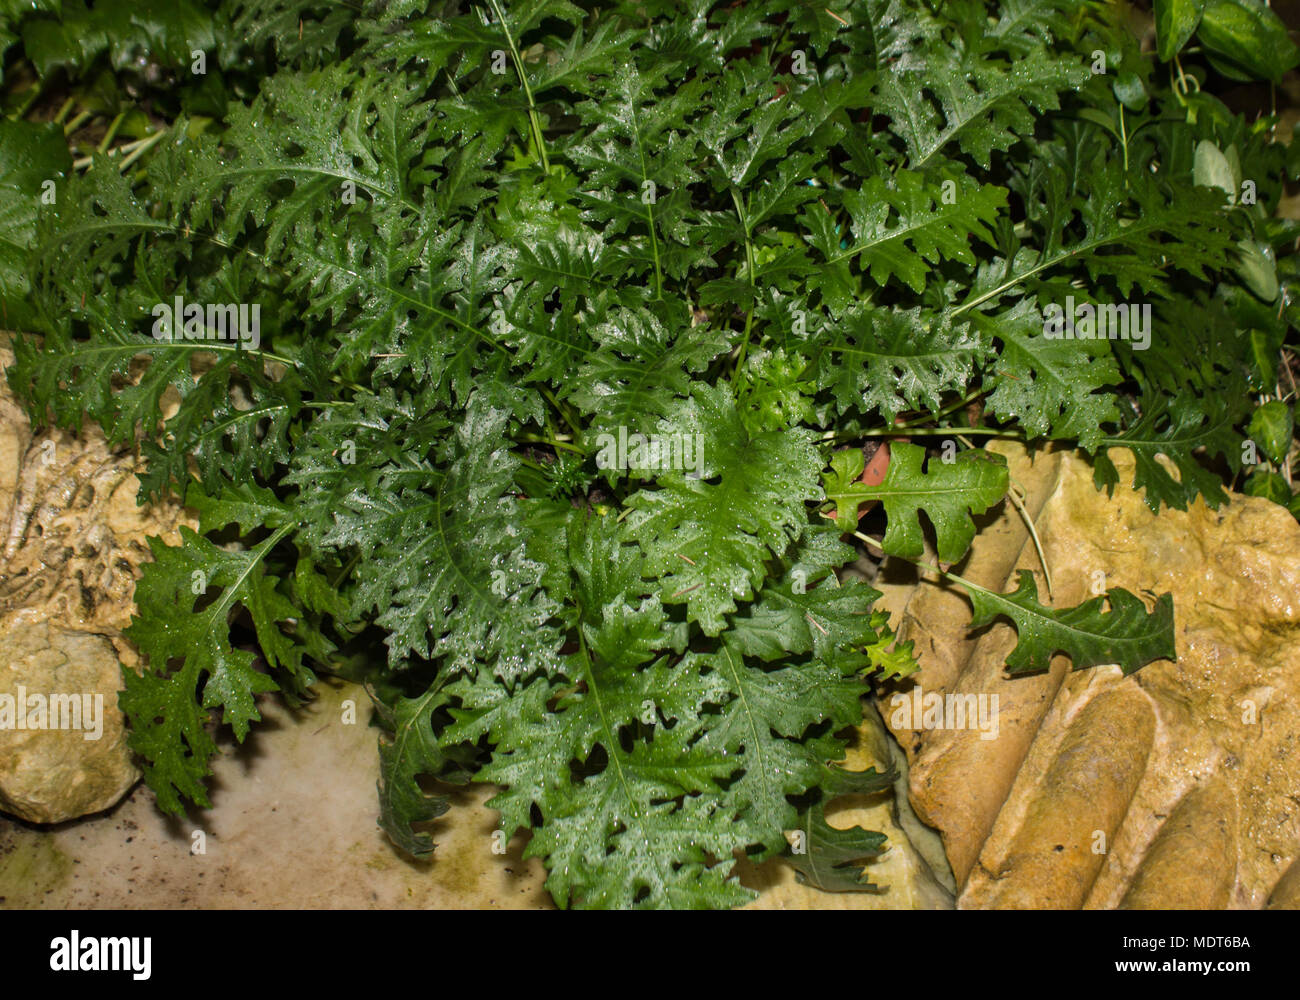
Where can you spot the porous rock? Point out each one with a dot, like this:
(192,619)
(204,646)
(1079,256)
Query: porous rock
(72,541)
(68,755)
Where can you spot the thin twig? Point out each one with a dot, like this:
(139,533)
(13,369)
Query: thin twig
(1033,533)
(141,149)
(111,134)
(62,113)
(135,147)
(77,121)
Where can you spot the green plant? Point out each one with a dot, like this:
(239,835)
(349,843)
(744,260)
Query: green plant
(1242,39)
(493,246)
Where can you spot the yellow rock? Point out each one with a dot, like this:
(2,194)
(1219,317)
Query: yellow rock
(1178,786)
(73,540)
(69,758)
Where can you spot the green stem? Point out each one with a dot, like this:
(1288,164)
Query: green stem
(141,149)
(561,410)
(946,410)
(146,348)
(596,694)
(654,244)
(78,120)
(1062,256)
(953,577)
(1123,137)
(938,432)
(542,439)
(749,268)
(772,49)
(744,343)
(1179,88)
(32,97)
(649,211)
(126,147)
(533,117)
(62,113)
(322,403)
(113,126)
(344,570)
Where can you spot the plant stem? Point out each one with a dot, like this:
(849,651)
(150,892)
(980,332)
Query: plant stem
(32,97)
(649,209)
(553,442)
(1181,89)
(142,148)
(937,432)
(1033,533)
(743,215)
(141,145)
(1123,136)
(772,49)
(78,120)
(561,410)
(953,577)
(113,126)
(533,117)
(947,409)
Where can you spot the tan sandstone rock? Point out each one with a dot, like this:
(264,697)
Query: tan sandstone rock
(72,541)
(67,756)
(1176,787)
